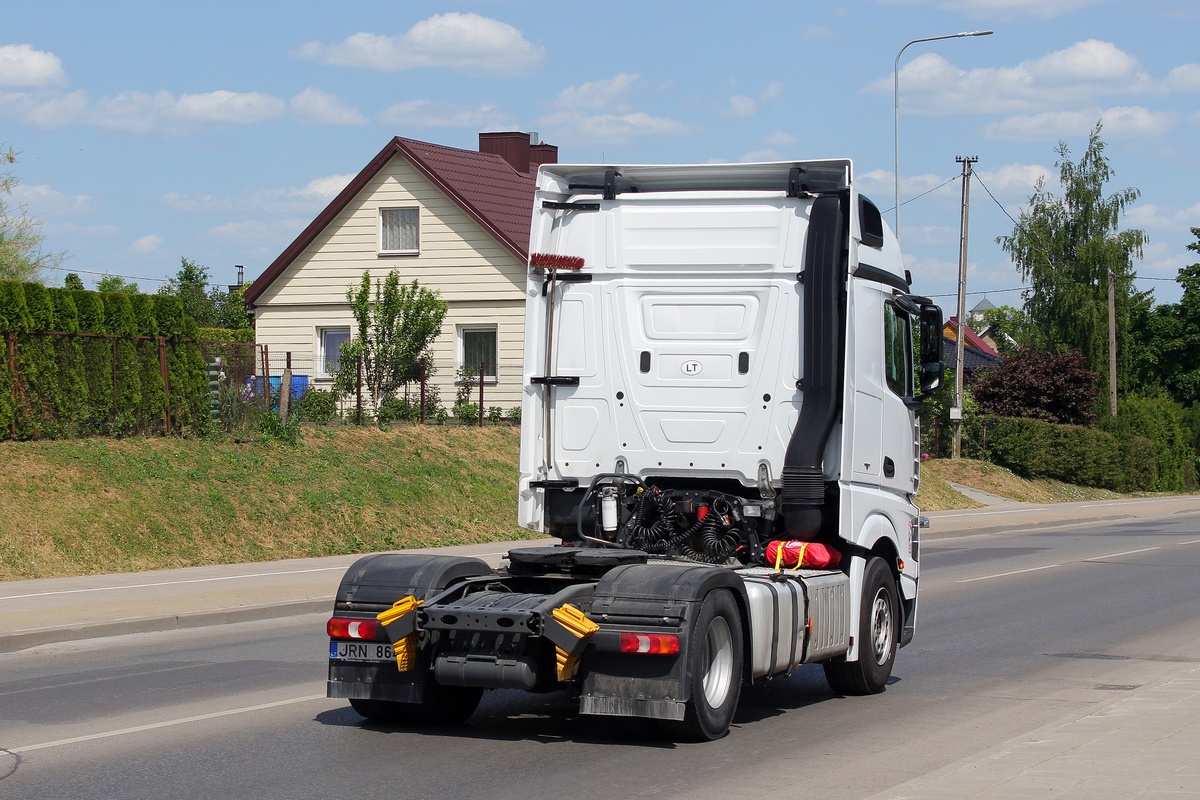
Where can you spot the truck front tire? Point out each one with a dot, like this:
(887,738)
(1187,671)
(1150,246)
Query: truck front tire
(715,657)
(878,634)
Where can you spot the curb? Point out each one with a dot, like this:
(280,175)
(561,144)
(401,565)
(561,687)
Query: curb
(21,640)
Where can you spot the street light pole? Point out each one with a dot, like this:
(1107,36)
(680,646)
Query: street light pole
(896,98)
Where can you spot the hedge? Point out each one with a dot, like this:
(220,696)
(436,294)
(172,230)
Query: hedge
(1122,461)
(72,385)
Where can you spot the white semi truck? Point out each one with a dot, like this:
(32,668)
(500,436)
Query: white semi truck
(717,358)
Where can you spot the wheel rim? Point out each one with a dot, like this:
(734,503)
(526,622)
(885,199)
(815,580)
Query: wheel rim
(881,626)
(718,675)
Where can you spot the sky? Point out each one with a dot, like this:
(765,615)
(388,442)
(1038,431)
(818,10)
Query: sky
(149,132)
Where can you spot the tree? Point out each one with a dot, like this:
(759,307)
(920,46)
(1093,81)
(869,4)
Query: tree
(1039,385)
(21,239)
(394,333)
(72,281)
(211,308)
(1011,329)
(114,283)
(1066,247)
(190,285)
(1166,340)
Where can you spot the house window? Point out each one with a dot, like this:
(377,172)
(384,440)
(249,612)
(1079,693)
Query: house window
(478,345)
(331,343)
(399,231)
(898,350)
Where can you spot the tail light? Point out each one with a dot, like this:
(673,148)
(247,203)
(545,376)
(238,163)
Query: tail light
(656,644)
(364,629)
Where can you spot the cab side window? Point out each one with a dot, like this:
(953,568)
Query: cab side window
(898,350)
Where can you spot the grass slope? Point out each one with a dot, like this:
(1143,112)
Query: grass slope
(90,506)
(99,505)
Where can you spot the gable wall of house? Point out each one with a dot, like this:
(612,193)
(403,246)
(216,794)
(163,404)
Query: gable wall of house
(481,280)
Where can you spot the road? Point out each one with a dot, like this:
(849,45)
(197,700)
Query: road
(1016,630)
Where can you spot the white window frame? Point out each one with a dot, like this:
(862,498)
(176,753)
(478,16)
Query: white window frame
(379,231)
(321,347)
(490,380)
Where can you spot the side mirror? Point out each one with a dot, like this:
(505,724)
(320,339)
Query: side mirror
(932,369)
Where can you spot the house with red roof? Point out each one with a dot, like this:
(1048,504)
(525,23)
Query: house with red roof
(455,220)
(977,353)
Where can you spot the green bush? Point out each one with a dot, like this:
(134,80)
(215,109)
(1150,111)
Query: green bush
(1072,453)
(495,414)
(315,405)
(1164,423)
(513,415)
(274,429)
(398,409)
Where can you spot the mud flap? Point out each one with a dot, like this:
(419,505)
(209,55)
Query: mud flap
(647,598)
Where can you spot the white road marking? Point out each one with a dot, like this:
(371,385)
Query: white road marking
(1126,553)
(156,725)
(1193,541)
(171,583)
(1005,574)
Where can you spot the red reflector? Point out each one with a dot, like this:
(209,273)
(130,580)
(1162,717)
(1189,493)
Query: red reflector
(366,629)
(656,644)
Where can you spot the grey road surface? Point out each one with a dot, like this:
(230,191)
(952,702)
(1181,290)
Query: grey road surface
(1016,630)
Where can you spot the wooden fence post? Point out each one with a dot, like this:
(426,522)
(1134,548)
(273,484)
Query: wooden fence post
(285,389)
(162,368)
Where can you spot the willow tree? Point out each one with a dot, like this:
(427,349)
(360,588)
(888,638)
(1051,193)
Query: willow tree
(1067,246)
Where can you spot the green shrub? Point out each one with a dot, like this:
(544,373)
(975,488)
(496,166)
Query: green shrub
(315,405)
(513,415)
(398,409)
(495,414)
(274,429)
(1164,422)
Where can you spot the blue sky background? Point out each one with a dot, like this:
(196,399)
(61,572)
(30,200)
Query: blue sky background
(151,131)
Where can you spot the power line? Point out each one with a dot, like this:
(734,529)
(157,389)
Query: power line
(125,277)
(922,194)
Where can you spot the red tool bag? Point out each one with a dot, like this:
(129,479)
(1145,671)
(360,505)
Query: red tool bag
(802,554)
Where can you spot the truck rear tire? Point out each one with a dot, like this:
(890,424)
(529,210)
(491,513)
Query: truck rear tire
(715,658)
(878,634)
(443,705)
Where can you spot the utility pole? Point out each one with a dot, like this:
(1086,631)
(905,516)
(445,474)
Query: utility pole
(960,338)
(1112,341)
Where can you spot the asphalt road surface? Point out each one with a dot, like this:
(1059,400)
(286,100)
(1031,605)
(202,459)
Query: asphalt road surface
(1016,630)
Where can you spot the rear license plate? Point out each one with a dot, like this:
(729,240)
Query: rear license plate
(361,651)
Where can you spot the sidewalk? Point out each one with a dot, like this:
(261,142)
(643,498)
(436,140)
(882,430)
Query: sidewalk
(1146,746)
(37,612)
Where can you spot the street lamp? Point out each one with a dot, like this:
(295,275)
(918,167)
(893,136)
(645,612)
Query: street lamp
(896,94)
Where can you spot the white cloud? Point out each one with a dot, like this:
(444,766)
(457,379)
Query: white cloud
(323,188)
(430,114)
(22,66)
(314,106)
(161,113)
(466,42)
(1149,215)
(1184,78)
(769,154)
(931,85)
(146,245)
(1020,178)
(742,106)
(1119,122)
(1006,9)
(44,201)
(602,95)
(229,108)
(610,128)
(257,232)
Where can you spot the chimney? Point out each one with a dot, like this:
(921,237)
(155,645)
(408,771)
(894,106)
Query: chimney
(523,151)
